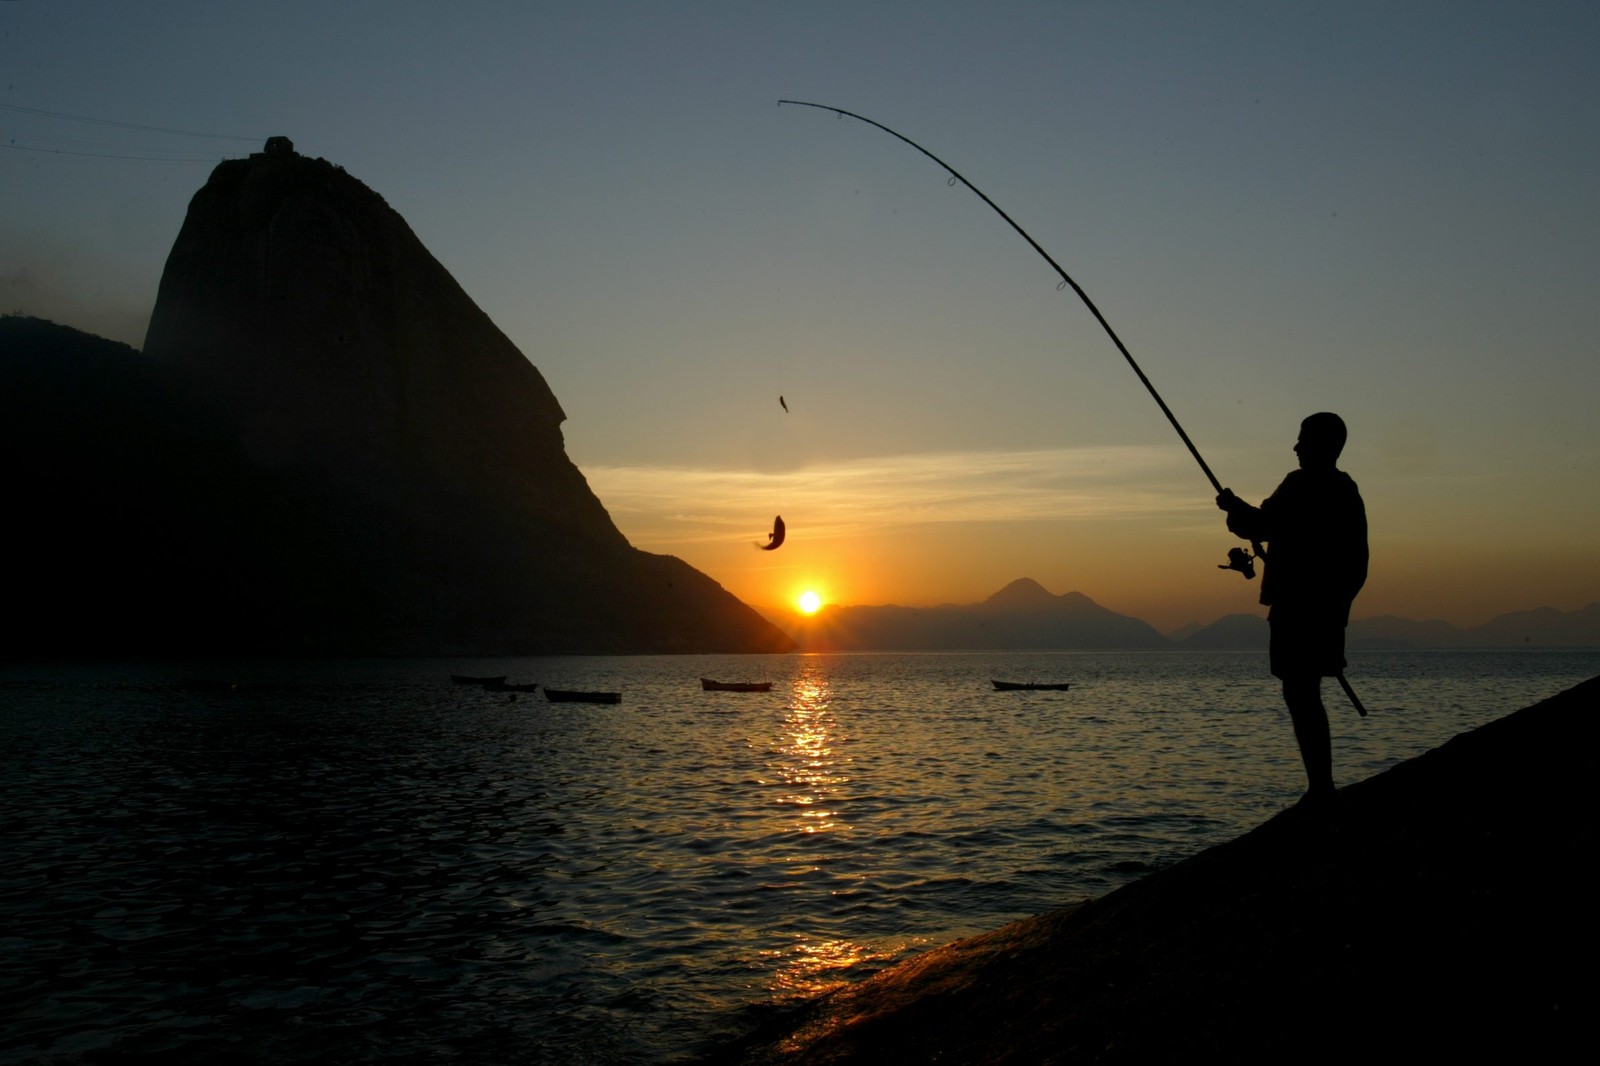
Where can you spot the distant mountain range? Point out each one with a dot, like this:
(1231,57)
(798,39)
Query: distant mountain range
(1024,616)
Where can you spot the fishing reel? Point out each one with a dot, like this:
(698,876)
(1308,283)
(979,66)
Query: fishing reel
(1240,560)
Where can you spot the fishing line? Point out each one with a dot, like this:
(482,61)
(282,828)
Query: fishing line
(1236,562)
(1066,279)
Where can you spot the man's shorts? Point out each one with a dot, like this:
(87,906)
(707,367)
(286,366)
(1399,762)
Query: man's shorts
(1305,643)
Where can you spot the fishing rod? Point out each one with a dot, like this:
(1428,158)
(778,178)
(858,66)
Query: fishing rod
(1066,279)
(1238,558)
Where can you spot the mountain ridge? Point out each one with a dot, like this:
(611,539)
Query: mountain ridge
(1025,615)
(325,448)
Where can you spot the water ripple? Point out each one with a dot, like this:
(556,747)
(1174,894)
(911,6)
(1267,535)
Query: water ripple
(361,862)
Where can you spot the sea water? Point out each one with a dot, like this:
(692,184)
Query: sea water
(364,862)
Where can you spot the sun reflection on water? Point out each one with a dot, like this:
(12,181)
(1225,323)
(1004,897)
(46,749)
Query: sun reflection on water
(805,757)
(812,774)
(809,968)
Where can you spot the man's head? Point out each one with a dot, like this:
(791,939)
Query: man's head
(1321,440)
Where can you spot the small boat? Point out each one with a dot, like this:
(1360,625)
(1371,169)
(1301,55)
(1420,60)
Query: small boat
(735,686)
(468,679)
(503,687)
(558,695)
(1030,686)
(206,684)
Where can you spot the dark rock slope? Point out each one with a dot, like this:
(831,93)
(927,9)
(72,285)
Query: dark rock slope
(1440,911)
(383,470)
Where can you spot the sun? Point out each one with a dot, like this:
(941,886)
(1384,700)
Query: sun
(809,602)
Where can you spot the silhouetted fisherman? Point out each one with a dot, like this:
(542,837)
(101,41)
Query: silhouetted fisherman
(1315,527)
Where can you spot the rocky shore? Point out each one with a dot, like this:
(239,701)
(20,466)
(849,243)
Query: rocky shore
(1442,908)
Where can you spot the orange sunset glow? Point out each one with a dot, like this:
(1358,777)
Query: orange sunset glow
(855,345)
(809,602)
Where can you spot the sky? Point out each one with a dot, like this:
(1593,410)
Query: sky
(1385,210)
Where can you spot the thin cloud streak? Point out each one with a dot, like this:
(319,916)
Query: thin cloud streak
(676,505)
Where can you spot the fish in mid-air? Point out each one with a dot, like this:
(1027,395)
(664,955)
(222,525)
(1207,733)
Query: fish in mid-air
(775,537)
(784,405)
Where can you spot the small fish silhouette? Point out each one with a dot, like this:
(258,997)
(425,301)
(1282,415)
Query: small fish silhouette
(785,406)
(776,536)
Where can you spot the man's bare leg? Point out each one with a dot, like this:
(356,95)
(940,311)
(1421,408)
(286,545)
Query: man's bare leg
(1303,696)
